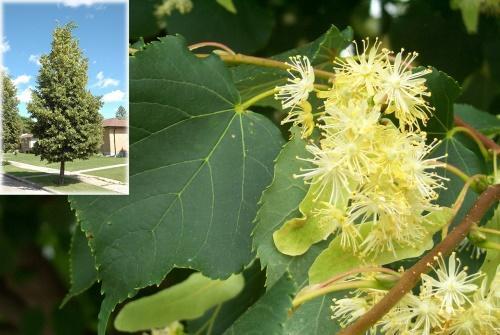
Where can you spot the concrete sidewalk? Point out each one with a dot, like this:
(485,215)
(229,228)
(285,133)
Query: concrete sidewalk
(100,168)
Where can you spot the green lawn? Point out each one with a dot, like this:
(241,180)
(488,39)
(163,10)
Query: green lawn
(51,181)
(18,172)
(118,173)
(93,162)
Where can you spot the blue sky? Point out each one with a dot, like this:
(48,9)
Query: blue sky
(27,30)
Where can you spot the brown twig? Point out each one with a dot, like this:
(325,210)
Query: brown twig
(488,143)
(412,276)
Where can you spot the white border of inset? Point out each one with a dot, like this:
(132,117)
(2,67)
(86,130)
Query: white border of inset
(126,71)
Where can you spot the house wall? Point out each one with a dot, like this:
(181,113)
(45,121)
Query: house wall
(120,136)
(26,144)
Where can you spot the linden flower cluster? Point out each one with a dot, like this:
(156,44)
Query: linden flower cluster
(450,304)
(365,168)
(169,6)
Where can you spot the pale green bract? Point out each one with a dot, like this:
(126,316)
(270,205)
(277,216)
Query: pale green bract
(297,235)
(335,259)
(185,301)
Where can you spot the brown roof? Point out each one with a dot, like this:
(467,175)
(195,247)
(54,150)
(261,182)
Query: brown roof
(115,123)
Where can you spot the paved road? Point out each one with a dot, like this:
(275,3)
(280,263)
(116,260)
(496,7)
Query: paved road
(13,186)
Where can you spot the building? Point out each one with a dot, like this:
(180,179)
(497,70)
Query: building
(115,141)
(115,137)
(26,143)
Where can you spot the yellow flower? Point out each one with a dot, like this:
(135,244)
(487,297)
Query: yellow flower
(361,71)
(419,314)
(299,85)
(348,310)
(327,172)
(168,6)
(352,120)
(452,284)
(349,234)
(403,90)
(482,316)
(301,116)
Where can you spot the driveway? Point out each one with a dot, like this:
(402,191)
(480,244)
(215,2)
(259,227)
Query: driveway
(9,185)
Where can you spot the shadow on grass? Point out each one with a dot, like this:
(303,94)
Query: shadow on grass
(24,174)
(71,185)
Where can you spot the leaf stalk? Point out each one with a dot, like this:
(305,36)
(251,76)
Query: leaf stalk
(264,62)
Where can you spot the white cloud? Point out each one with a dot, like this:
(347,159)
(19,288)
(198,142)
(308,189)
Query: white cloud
(104,82)
(76,3)
(115,96)
(22,79)
(4,69)
(35,59)
(25,96)
(4,45)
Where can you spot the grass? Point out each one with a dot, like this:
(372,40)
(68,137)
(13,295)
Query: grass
(118,173)
(70,185)
(21,173)
(93,162)
(51,181)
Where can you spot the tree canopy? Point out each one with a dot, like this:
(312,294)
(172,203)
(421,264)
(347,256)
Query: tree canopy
(11,125)
(68,124)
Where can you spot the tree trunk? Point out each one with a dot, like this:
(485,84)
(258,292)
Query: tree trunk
(61,174)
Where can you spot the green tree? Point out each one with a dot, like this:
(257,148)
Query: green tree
(11,127)
(67,120)
(121,113)
(27,124)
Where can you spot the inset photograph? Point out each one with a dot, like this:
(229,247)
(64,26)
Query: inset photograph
(64,82)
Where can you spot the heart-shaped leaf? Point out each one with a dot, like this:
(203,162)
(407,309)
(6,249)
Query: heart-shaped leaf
(197,171)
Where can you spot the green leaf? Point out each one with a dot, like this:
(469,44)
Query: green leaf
(470,13)
(138,45)
(143,22)
(484,122)
(245,32)
(444,91)
(466,160)
(481,90)
(335,259)
(185,301)
(492,259)
(270,312)
(197,171)
(314,317)
(252,80)
(280,202)
(83,272)
(234,308)
(443,30)
(228,5)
